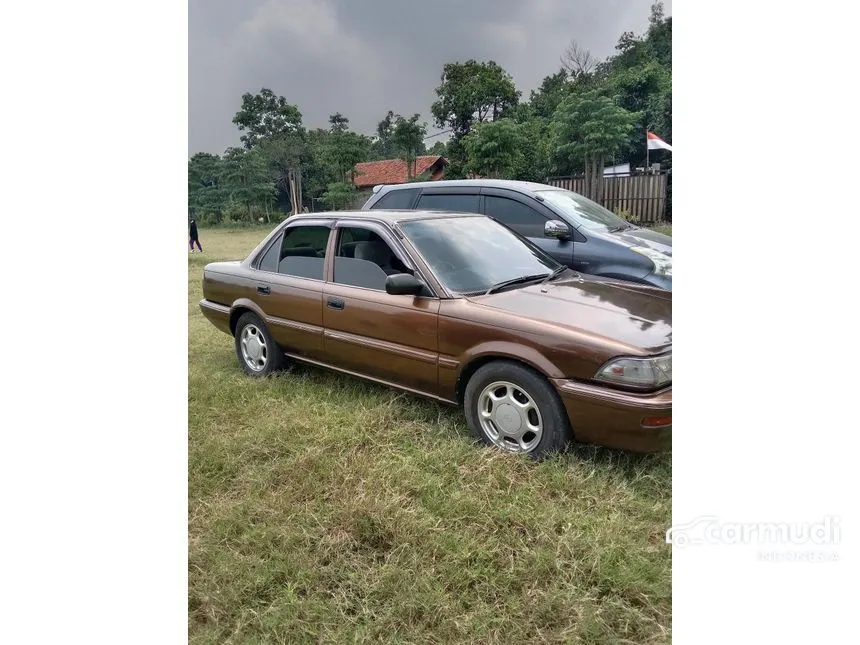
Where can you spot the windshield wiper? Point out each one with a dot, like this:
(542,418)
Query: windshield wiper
(555,273)
(623,227)
(510,283)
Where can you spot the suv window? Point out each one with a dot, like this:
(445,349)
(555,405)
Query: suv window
(523,219)
(364,259)
(453,202)
(396,199)
(303,252)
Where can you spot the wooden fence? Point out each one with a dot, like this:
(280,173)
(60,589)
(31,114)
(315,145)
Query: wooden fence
(642,195)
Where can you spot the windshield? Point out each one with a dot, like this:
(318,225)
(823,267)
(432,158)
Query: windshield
(471,254)
(584,211)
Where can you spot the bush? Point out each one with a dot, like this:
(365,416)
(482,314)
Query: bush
(208,219)
(239,214)
(339,195)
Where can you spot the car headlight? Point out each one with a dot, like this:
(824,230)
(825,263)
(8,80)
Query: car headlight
(640,373)
(662,262)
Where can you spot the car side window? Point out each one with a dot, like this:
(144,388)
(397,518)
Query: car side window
(523,219)
(269,262)
(396,199)
(364,259)
(457,202)
(303,252)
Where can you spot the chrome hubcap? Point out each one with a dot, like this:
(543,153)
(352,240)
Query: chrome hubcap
(510,417)
(254,350)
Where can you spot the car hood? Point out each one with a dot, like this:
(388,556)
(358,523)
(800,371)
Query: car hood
(637,316)
(648,238)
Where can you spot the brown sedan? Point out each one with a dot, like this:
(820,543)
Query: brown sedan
(459,308)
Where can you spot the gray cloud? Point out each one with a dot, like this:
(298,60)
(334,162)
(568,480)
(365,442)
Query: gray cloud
(365,58)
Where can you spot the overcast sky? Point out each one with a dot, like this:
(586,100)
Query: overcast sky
(365,57)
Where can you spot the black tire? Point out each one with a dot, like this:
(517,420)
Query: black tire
(555,426)
(271,359)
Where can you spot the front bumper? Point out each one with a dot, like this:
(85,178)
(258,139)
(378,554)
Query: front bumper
(613,419)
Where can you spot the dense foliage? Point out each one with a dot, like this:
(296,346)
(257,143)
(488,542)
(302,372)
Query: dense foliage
(587,114)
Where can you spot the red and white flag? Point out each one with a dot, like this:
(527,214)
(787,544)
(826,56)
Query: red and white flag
(656,143)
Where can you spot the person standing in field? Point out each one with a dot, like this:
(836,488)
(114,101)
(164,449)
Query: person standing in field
(194,240)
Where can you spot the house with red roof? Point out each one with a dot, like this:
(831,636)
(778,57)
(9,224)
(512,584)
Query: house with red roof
(393,171)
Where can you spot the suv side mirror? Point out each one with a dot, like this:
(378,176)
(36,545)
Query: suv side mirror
(557,229)
(403,284)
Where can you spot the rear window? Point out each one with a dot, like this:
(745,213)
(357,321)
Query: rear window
(397,199)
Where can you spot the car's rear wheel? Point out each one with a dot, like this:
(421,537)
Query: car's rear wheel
(258,353)
(513,408)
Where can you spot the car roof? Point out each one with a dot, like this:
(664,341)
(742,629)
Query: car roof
(390,216)
(513,184)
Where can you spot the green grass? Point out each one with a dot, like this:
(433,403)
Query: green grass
(323,509)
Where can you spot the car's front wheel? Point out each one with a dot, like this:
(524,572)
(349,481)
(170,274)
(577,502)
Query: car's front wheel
(513,408)
(257,351)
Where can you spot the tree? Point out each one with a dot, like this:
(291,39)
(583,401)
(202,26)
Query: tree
(536,146)
(339,195)
(472,92)
(656,16)
(383,146)
(285,157)
(588,128)
(269,121)
(343,149)
(408,135)
(246,179)
(552,90)
(205,193)
(317,171)
(494,149)
(659,43)
(266,116)
(640,77)
(339,123)
(578,61)
(457,157)
(626,42)
(535,161)
(438,148)
(635,86)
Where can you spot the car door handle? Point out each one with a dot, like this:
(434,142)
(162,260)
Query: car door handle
(335,303)
(263,290)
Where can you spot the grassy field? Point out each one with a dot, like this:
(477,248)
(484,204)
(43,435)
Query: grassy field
(323,509)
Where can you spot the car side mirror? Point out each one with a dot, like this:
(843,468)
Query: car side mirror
(557,229)
(403,284)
